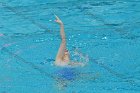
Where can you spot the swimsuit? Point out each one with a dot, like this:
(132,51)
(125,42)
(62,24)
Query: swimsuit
(67,73)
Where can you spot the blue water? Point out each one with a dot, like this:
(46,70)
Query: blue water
(105,35)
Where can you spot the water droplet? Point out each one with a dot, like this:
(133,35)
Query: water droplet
(104,38)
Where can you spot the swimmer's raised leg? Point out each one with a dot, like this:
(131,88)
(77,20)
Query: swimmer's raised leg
(60,54)
(63,57)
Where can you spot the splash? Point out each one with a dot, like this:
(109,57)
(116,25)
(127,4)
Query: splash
(80,56)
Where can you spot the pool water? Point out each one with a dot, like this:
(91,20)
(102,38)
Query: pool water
(103,34)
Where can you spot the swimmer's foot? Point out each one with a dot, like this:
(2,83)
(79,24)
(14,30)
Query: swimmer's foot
(58,20)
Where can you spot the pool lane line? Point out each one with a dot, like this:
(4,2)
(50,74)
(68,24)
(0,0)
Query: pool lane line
(41,26)
(100,64)
(115,73)
(122,32)
(25,17)
(26,62)
(111,71)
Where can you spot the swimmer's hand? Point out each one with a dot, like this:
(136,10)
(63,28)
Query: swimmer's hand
(58,20)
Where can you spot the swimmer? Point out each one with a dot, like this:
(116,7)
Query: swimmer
(63,56)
